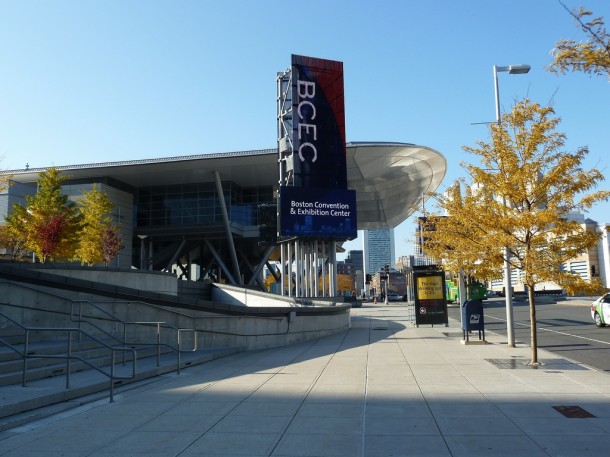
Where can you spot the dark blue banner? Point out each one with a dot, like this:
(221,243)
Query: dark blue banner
(318,123)
(317,213)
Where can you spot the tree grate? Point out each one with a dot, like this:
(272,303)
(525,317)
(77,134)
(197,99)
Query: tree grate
(553,364)
(573,412)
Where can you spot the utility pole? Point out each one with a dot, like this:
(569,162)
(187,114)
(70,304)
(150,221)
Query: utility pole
(387,281)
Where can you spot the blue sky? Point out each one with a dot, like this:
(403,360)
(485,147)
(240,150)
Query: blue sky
(96,81)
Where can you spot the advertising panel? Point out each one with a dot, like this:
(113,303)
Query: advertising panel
(318,114)
(430,298)
(317,213)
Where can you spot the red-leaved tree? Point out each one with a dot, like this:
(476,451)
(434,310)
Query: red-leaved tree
(111,244)
(50,235)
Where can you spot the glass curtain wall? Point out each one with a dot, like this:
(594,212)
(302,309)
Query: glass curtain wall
(196,204)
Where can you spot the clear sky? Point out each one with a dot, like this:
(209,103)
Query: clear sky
(95,81)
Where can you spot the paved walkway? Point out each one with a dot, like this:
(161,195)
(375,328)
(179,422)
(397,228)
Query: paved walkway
(383,388)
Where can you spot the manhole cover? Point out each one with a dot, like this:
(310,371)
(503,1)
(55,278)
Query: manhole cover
(573,412)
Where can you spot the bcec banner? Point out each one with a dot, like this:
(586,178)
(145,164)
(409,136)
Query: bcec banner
(319,204)
(318,213)
(318,123)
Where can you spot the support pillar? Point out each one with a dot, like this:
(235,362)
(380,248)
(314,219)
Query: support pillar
(227,224)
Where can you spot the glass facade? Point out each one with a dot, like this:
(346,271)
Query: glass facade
(378,249)
(197,204)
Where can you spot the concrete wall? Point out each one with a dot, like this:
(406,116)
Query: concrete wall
(163,283)
(38,306)
(151,281)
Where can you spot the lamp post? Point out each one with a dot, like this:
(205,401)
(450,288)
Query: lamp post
(511,70)
(387,281)
(142,251)
(508,293)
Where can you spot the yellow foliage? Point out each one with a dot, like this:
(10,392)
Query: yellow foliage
(344,283)
(95,207)
(268,281)
(519,198)
(49,223)
(517,206)
(591,56)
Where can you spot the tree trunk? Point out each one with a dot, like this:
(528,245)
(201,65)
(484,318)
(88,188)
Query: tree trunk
(534,334)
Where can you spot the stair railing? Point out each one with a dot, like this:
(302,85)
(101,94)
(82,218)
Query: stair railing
(78,318)
(76,315)
(69,356)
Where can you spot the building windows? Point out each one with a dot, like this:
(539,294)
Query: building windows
(378,249)
(196,204)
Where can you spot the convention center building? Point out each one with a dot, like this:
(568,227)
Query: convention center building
(199,216)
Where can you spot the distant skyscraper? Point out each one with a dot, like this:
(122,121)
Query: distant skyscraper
(351,264)
(355,258)
(378,246)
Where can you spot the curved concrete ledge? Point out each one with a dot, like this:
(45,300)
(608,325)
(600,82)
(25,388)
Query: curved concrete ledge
(151,281)
(234,295)
(55,279)
(36,295)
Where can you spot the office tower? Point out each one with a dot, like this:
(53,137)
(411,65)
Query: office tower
(378,246)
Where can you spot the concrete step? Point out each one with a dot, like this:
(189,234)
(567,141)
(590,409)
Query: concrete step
(50,360)
(44,397)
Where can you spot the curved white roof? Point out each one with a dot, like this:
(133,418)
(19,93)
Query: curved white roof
(390,179)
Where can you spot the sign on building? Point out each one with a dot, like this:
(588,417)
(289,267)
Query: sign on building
(317,204)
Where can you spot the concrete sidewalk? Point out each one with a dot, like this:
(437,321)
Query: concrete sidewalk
(383,388)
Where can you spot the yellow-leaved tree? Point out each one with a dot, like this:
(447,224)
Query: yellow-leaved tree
(459,245)
(12,243)
(591,56)
(49,223)
(99,241)
(516,207)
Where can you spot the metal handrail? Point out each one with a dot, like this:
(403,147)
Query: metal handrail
(124,324)
(69,356)
(159,324)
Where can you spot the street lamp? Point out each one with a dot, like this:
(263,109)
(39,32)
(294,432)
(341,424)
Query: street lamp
(512,70)
(508,294)
(386,268)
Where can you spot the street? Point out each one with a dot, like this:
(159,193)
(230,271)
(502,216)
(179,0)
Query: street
(564,329)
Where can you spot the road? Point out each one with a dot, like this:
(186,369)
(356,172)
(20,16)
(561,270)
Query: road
(564,329)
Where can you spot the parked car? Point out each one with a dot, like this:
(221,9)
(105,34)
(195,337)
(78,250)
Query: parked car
(600,310)
(394,297)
